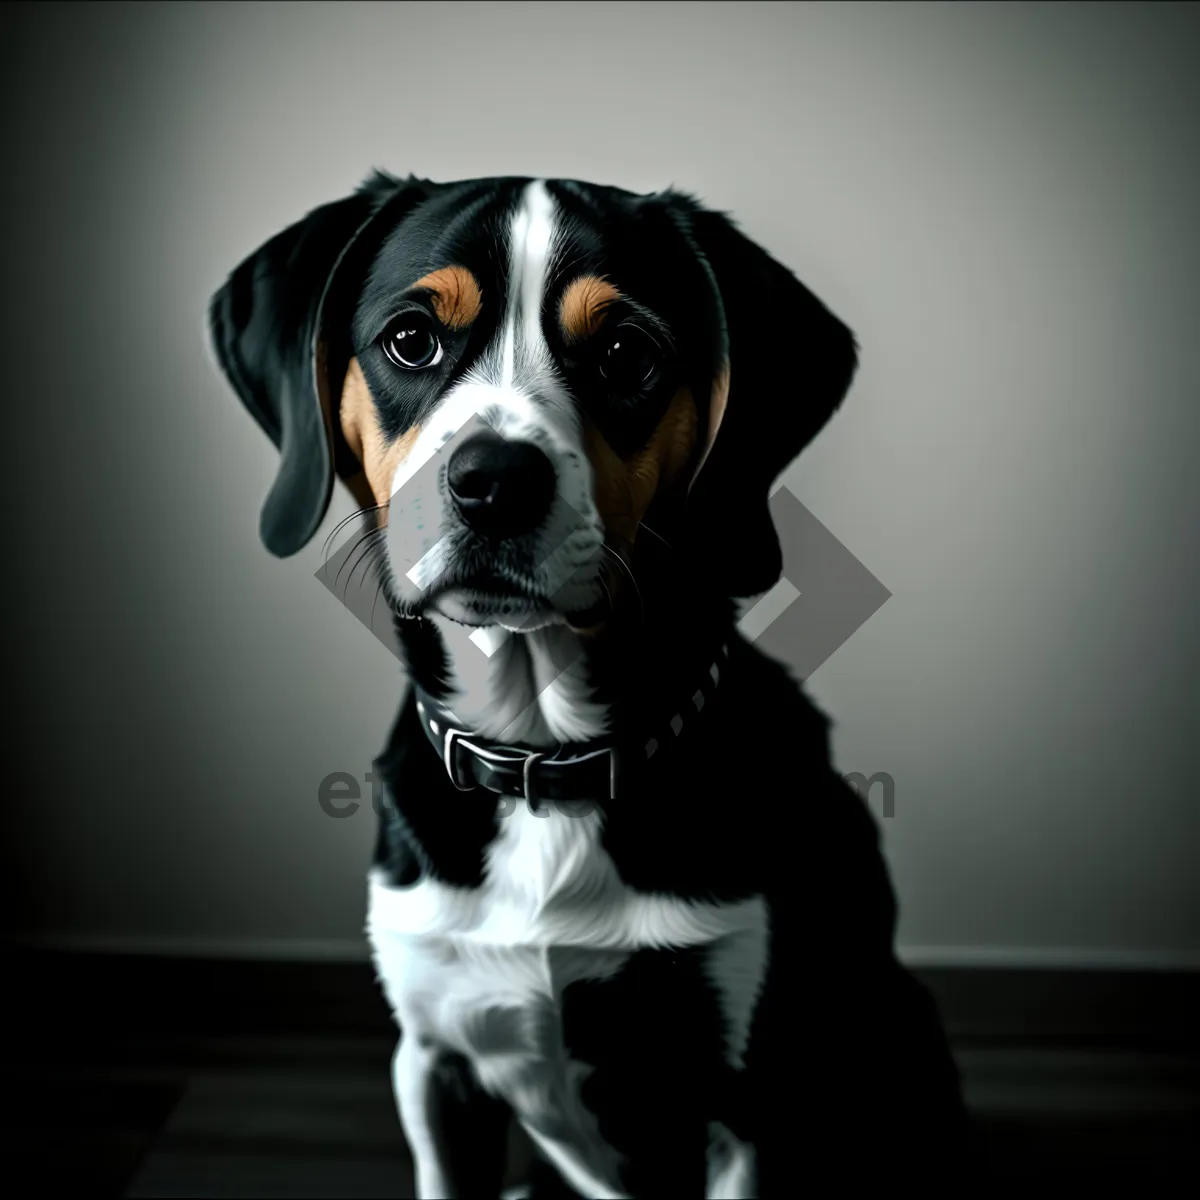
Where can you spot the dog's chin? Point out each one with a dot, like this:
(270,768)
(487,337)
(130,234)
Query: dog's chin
(481,608)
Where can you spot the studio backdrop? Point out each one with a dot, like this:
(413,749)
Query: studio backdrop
(999,199)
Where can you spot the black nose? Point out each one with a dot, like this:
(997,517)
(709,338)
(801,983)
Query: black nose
(502,488)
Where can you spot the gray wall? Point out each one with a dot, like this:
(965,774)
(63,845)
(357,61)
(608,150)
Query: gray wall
(1000,199)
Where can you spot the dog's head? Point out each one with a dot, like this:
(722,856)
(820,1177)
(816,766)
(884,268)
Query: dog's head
(523,372)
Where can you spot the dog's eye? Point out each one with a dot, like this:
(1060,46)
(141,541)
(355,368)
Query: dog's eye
(630,358)
(410,342)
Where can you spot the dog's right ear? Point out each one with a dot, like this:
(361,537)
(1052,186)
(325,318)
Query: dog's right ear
(280,328)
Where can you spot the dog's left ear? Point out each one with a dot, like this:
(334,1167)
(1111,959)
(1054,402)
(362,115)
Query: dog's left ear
(778,364)
(280,330)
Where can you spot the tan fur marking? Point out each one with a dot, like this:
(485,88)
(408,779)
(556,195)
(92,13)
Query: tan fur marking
(456,297)
(582,307)
(360,428)
(625,488)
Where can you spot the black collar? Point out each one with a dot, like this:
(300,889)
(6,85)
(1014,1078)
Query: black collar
(580,771)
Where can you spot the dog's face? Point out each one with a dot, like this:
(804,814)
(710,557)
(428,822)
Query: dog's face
(519,372)
(522,392)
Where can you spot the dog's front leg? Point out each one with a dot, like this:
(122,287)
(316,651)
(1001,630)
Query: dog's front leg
(456,1132)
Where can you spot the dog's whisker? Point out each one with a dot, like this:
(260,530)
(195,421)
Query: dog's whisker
(368,559)
(655,533)
(366,537)
(364,557)
(378,593)
(358,513)
(620,560)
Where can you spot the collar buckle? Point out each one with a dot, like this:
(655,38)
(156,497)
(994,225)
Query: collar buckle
(450,758)
(531,797)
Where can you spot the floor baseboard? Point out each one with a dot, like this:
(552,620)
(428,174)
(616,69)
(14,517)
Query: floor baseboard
(216,996)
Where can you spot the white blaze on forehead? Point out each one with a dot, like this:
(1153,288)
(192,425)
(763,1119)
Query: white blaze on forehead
(503,382)
(531,244)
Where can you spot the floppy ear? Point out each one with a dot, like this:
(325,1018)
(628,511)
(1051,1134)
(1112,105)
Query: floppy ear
(280,330)
(780,364)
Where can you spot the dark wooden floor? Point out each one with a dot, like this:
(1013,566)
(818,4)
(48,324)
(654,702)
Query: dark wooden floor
(221,1080)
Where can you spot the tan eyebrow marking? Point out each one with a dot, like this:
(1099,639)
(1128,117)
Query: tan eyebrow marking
(455,295)
(582,307)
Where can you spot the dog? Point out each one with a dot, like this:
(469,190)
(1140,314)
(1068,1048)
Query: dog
(620,894)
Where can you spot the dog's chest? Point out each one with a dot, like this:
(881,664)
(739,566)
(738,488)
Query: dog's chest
(495,973)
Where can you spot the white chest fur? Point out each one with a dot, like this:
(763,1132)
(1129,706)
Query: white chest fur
(481,971)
